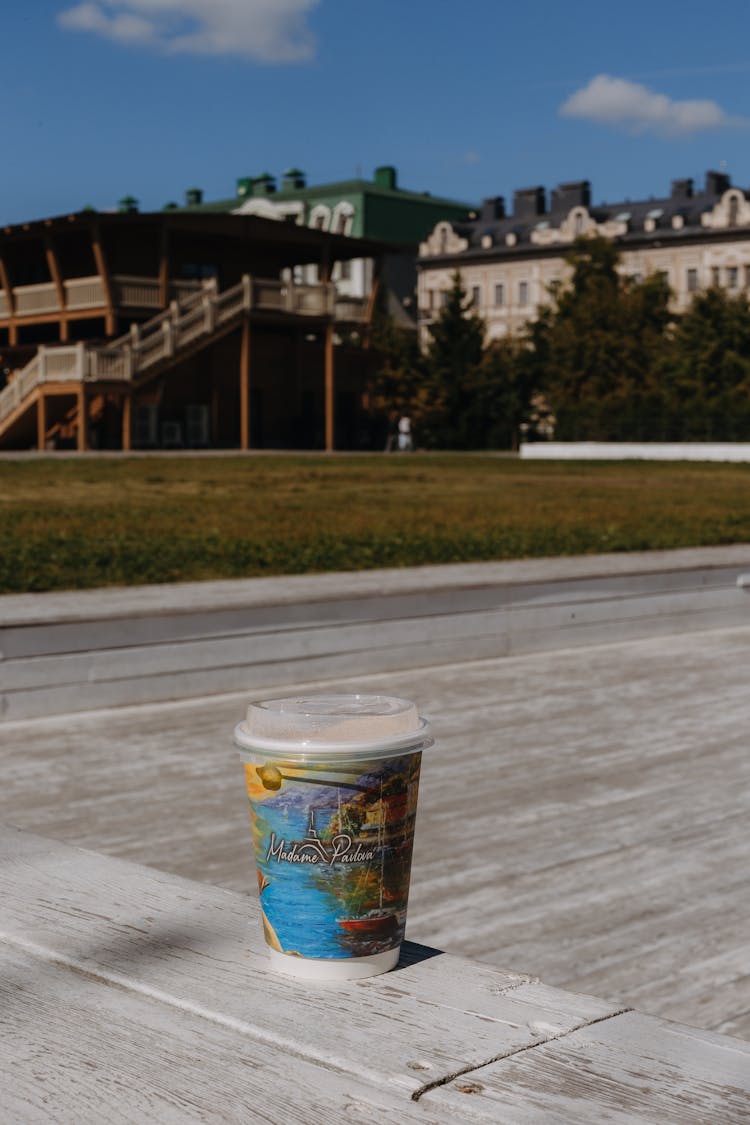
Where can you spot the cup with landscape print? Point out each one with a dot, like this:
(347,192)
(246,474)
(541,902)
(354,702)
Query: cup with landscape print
(333,782)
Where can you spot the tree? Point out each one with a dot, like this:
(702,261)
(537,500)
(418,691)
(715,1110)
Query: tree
(706,376)
(459,394)
(451,366)
(596,350)
(498,398)
(397,386)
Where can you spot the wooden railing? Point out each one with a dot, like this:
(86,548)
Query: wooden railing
(199,313)
(84,293)
(30,300)
(88,293)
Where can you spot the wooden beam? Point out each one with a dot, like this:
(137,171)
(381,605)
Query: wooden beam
(50,318)
(102,269)
(53,266)
(82,436)
(126,422)
(329,389)
(9,296)
(245,385)
(41,420)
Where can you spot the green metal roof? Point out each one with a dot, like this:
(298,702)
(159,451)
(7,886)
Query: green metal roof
(343,188)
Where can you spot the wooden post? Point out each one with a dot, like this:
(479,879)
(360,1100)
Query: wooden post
(5,284)
(41,421)
(164,267)
(372,300)
(324,269)
(110,326)
(82,442)
(329,388)
(54,271)
(126,422)
(245,385)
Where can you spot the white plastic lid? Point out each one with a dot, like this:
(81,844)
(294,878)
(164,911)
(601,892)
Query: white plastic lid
(317,726)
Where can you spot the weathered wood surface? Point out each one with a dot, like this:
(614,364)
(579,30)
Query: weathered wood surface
(72,652)
(584,816)
(629,1069)
(133,995)
(76,1050)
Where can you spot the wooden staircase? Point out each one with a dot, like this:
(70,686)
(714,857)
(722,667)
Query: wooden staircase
(148,349)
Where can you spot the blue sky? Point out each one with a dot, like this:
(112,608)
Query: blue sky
(105,98)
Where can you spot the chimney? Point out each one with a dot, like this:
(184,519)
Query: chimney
(577,193)
(682,189)
(264,184)
(493,208)
(193,197)
(386,177)
(528,203)
(717,183)
(293,180)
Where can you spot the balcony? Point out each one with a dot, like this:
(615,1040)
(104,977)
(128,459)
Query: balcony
(83,294)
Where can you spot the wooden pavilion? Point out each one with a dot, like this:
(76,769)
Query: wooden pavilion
(179,330)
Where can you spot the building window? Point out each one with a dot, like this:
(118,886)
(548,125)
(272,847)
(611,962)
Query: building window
(346,271)
(747,277)
(320,217)
(715,276)
(692,281)
(444,297)
(476,297)
(732,277)
(343,217)
(430,299)
(523,293)
(734,208)
(499,295)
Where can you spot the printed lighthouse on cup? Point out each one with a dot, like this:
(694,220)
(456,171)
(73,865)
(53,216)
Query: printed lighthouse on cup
(333,784)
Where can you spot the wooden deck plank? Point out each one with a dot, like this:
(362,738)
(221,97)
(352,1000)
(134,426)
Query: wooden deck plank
(604,849)
(76,1050)
(128,994)
(630,1070)
(197,948)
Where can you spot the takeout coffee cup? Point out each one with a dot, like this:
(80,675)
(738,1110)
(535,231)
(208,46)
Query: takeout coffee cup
(333,782)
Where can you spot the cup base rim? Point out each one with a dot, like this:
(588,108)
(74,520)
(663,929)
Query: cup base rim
(334,968)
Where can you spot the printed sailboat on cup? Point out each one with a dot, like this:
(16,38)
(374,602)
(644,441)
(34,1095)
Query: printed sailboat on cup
(375,923)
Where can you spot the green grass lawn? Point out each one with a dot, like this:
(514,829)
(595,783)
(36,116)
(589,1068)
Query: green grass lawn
(96,522)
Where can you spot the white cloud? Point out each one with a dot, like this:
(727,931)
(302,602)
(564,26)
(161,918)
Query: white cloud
(628,105)
(273,31)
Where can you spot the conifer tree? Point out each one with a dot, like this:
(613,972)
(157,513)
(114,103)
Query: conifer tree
(452,363)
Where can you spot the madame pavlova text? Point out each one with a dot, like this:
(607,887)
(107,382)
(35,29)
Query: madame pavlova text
(340,850)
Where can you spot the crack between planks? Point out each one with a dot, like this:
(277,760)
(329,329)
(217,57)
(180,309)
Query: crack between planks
(438,1082)
(251,1031)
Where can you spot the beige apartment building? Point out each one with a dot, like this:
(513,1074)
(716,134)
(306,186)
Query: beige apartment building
(509,262)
